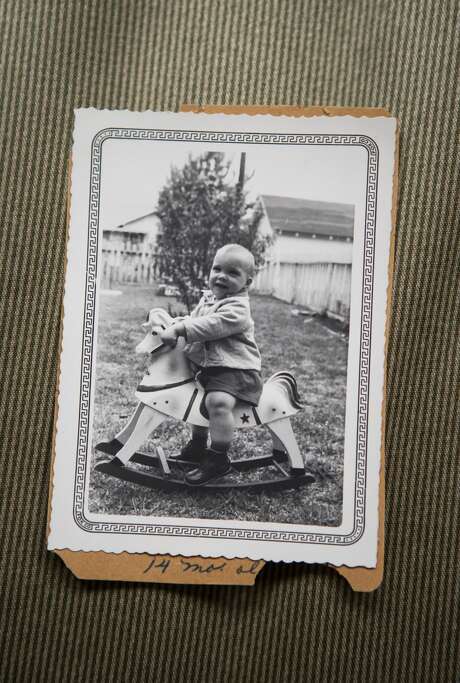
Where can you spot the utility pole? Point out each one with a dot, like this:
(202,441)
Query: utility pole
(241,174)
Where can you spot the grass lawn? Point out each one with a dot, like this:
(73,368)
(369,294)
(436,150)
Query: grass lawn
(316,357)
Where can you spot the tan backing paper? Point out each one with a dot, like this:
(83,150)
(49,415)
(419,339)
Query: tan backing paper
(221,571)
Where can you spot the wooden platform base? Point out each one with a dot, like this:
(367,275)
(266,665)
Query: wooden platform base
(174,480)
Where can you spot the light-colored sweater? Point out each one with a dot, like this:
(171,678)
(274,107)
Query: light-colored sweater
(220,332)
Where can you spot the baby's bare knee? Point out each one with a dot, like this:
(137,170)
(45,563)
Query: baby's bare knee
(219,403)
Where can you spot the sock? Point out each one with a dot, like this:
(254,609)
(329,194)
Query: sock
(200,440)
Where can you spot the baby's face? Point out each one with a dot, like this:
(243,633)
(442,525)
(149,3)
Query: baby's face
(228,275)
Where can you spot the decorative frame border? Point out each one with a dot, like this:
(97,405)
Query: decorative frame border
(222,137)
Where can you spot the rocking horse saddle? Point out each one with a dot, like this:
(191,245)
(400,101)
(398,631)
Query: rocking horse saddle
(183,401)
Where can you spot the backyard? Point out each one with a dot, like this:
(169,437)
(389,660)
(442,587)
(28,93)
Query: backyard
(315,354)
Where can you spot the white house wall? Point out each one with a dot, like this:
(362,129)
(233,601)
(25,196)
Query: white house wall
(147,224)
(305,249)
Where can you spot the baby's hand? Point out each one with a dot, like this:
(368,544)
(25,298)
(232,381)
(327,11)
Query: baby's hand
(169,336)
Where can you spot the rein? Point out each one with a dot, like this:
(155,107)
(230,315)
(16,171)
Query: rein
(158,348)
(165,386)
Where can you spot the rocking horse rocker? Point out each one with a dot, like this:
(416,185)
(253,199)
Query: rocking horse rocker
(169,389)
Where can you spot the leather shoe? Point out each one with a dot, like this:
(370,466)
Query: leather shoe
(216,464)
(192,453)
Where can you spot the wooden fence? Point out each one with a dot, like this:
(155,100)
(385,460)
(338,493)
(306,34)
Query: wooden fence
(120,266)
(322,287)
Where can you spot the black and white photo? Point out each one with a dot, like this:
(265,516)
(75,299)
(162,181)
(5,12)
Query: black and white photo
(224,325)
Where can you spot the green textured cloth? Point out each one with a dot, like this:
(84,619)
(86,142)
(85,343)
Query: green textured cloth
(298,623)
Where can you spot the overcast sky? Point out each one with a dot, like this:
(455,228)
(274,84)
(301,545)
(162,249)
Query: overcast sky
(134,171)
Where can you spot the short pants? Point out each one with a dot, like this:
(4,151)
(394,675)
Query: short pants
(244,385)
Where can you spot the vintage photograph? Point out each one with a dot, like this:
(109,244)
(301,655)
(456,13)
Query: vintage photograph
(222,333)
(221,383)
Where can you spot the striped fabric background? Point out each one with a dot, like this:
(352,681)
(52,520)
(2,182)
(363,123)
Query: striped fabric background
(298,623)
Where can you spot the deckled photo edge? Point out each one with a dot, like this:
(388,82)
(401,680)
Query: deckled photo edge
(277,532)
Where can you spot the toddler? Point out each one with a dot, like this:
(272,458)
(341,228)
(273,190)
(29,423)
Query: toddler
(221,347)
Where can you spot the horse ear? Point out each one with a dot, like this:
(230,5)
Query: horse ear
(163,317)
(158,317)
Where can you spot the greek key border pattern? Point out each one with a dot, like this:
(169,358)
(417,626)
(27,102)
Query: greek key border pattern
(365,338)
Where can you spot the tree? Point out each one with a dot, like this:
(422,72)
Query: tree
(200,211)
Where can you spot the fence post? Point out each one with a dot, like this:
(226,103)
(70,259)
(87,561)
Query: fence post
(295,296)
(329,286)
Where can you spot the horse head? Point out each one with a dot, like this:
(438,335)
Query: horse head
(167,364)
(157,320)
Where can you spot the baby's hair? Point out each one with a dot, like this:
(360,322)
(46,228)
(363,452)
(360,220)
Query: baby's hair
(244,254)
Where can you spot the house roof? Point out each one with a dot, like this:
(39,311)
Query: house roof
(304,216)
(137,225)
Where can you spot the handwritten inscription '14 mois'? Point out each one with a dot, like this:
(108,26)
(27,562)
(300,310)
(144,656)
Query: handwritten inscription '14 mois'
(162,565)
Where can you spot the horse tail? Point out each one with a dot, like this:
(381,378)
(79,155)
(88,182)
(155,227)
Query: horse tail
(289,384)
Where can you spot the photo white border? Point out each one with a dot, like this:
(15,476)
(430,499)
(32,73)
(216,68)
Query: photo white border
(72,526)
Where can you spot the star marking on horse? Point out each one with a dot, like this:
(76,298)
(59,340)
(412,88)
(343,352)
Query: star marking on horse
(245,418)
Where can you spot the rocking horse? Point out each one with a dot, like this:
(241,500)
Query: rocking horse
(169,389)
